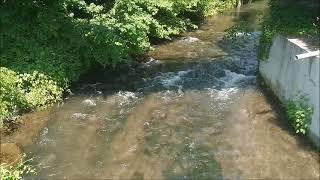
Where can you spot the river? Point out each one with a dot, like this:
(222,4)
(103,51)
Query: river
(193,111)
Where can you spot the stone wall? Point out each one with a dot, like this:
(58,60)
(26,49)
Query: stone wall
(289,78)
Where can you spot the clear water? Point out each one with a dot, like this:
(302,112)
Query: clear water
(192,112)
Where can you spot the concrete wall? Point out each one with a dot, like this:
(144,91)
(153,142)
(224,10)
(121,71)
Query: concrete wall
(288,77)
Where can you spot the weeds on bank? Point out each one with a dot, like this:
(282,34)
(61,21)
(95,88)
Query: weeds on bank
(15,172)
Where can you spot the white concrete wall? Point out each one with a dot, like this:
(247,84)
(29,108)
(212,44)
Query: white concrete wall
(288,77)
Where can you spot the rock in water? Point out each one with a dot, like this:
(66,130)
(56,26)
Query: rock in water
(79,115)
(89,102)
(47,160)
(189,39)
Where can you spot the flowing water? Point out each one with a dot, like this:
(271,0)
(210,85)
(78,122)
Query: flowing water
(192,112)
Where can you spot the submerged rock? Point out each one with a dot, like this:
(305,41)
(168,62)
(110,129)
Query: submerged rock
(48,160)
(158,114)
(79,116)
(163,115)
(137,175)
(89,102)
(189,39)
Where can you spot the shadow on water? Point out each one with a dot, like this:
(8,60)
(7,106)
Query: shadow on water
(282,120)
(203,165)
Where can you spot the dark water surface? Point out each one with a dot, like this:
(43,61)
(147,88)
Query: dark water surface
(192,112)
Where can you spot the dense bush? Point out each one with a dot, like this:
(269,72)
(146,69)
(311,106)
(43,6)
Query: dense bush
(289,18)
(37,35)
(46,44)
(11,98)
(23,92)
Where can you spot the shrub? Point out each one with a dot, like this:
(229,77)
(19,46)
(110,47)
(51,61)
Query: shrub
(11,98)
(9,172)
(299,114)
(24,92)
(38,89)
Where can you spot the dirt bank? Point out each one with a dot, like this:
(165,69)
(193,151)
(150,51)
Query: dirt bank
(28,128)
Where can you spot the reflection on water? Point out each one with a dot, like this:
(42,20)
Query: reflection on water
(197,115)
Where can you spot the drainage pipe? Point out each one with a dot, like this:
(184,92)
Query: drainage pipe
(307,55)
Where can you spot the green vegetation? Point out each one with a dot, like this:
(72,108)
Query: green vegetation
(299,113)
(296,111)
(238,31)
(23,92)
(46,44)
(289,18)
(9,172)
